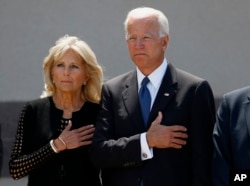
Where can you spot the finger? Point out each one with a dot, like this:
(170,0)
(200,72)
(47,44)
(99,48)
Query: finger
(87,127)
(179,141)
(176,146)
(85,143)
(158,119)
(178,128)
(86,132)
(68,127)
(86,137)
(180,135)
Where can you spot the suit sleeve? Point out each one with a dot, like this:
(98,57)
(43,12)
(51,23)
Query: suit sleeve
(221,156)
(108,150)
(200,136)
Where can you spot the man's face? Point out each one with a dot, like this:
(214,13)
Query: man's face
(146,48)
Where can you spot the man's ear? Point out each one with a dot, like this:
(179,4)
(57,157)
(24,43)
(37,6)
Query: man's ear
(165,41)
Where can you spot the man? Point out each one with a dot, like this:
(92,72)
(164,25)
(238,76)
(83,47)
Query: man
(231,136)
(172,146)
(1,152)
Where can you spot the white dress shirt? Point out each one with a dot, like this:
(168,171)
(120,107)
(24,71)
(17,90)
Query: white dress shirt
(155,81)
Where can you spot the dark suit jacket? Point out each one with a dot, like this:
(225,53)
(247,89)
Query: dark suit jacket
(231,135)
(1,151)
(184,100)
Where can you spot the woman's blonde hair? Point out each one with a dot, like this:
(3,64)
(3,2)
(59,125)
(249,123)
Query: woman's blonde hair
(92,90)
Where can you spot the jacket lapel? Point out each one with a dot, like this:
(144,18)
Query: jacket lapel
(247,112)
(131,100)
(166,92)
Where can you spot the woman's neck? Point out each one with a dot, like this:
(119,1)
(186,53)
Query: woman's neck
(68,103)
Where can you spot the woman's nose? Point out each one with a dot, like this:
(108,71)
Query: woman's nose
(66,71)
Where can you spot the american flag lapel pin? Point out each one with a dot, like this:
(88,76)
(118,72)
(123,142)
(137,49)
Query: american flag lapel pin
(166,94)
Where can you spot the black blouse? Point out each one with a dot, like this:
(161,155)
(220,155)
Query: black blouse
(39,122)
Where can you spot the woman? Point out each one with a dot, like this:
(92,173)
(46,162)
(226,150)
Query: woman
(54,133)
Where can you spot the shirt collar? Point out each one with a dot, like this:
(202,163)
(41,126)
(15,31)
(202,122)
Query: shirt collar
(156,76)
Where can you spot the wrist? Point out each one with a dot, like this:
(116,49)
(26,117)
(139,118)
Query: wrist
(63,142)
(60,144)
(53,146)
(149,141)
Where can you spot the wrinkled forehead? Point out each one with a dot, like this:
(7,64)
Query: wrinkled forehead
(143,17)
(143,24)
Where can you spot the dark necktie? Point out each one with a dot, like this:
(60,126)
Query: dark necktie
(145,100)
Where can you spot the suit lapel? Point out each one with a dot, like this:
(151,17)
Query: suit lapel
(166,92)
(247,112)
(131,101)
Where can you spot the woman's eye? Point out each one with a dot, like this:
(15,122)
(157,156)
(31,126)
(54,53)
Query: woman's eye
(74,66)
(60,65)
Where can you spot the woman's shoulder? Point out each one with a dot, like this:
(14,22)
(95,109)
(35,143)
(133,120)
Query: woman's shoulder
(39,102)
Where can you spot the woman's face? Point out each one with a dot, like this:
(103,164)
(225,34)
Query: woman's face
(68,73)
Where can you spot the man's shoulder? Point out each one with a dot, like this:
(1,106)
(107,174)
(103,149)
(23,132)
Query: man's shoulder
(182,75)
(188,76)
(236,97)
(122,78)
(238,92)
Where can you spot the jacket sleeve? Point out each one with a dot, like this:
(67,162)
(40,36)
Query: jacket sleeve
(200,134)
(221,156)
(108,150)
(23,159)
